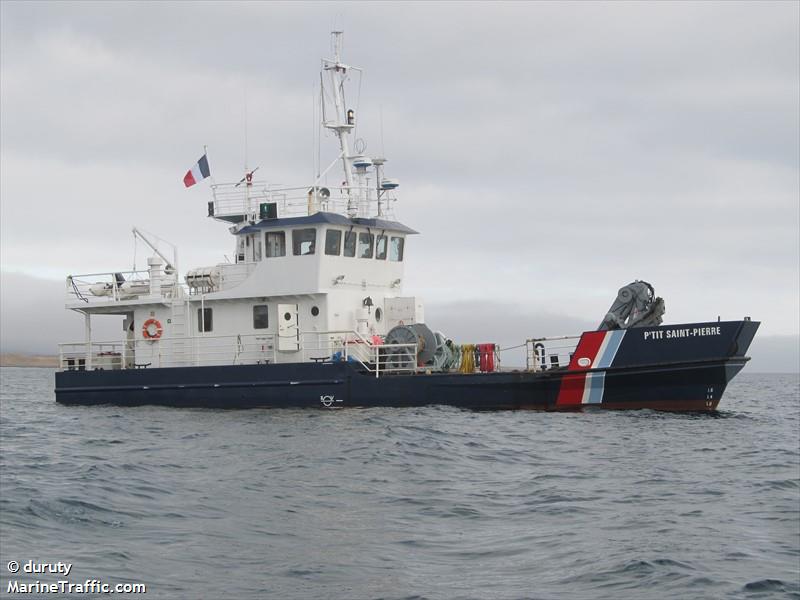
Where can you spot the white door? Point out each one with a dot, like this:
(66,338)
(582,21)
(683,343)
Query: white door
(288,329)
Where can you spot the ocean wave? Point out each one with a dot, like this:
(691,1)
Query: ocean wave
(430,502)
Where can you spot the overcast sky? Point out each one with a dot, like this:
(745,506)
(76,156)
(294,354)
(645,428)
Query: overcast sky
(548,152)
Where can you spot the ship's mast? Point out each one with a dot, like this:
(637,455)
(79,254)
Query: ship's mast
(344,120)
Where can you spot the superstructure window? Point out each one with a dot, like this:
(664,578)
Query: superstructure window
(205,319)
(350,243)
(396,249)
(380,247)
(304,241)
(276,244)
(365,242)
(333,242)
(260,316)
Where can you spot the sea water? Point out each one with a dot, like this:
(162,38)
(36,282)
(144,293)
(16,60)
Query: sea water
(402,503)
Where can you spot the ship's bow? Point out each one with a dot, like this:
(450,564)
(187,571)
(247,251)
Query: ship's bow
(674,367)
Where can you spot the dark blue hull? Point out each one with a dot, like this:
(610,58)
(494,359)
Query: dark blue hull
(685,373)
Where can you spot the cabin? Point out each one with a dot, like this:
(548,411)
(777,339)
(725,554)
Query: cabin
(299,288)
(317,272)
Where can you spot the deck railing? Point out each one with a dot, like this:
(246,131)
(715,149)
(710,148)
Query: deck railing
(549,353)
(247,349)
(108,288)
(105,288)
(241,200)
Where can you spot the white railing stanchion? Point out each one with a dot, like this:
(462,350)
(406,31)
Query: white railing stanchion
(558,349)
(246,349)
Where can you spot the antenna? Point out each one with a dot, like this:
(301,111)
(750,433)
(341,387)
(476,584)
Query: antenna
(314,132)
(383,147)
(245,129)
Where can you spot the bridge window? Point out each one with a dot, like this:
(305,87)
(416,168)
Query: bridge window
(205,319)
(304,241)
(260,316)
(257,247)
(350,243)
(380,247)
(396,249)
(365,242)
(333,242)
(276,244)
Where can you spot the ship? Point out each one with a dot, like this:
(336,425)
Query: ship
(311,312)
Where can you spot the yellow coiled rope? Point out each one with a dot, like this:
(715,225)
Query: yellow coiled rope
(467,359)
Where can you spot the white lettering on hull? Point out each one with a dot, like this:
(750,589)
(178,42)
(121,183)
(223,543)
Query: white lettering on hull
(685,332)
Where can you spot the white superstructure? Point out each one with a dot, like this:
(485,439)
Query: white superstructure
(315,270)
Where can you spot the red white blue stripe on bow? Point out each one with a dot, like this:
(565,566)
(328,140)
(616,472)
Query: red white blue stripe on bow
(596,350)
(197,173)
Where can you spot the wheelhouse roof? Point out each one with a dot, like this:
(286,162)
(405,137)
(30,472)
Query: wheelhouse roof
(326,217)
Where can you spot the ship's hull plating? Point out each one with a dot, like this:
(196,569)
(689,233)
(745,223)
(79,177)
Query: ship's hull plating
(634,369)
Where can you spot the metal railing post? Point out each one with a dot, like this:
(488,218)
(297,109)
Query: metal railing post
(88,337)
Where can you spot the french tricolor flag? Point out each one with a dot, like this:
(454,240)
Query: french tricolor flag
(197,173)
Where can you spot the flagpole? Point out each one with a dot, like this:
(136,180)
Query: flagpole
(211,176)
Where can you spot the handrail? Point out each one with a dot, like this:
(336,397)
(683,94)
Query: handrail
(220,349)
(110,289)
(233,199)
(557,349)
(112,273)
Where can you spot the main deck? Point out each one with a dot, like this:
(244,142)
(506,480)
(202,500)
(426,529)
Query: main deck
(613,369)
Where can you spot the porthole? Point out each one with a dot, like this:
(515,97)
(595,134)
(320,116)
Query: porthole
(314,311)
(378,315)
(287,316)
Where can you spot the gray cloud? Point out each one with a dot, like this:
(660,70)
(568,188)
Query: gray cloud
(549,152)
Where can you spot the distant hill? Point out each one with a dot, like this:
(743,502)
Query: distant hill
(27,360)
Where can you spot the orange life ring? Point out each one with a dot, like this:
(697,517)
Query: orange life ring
(152,329)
